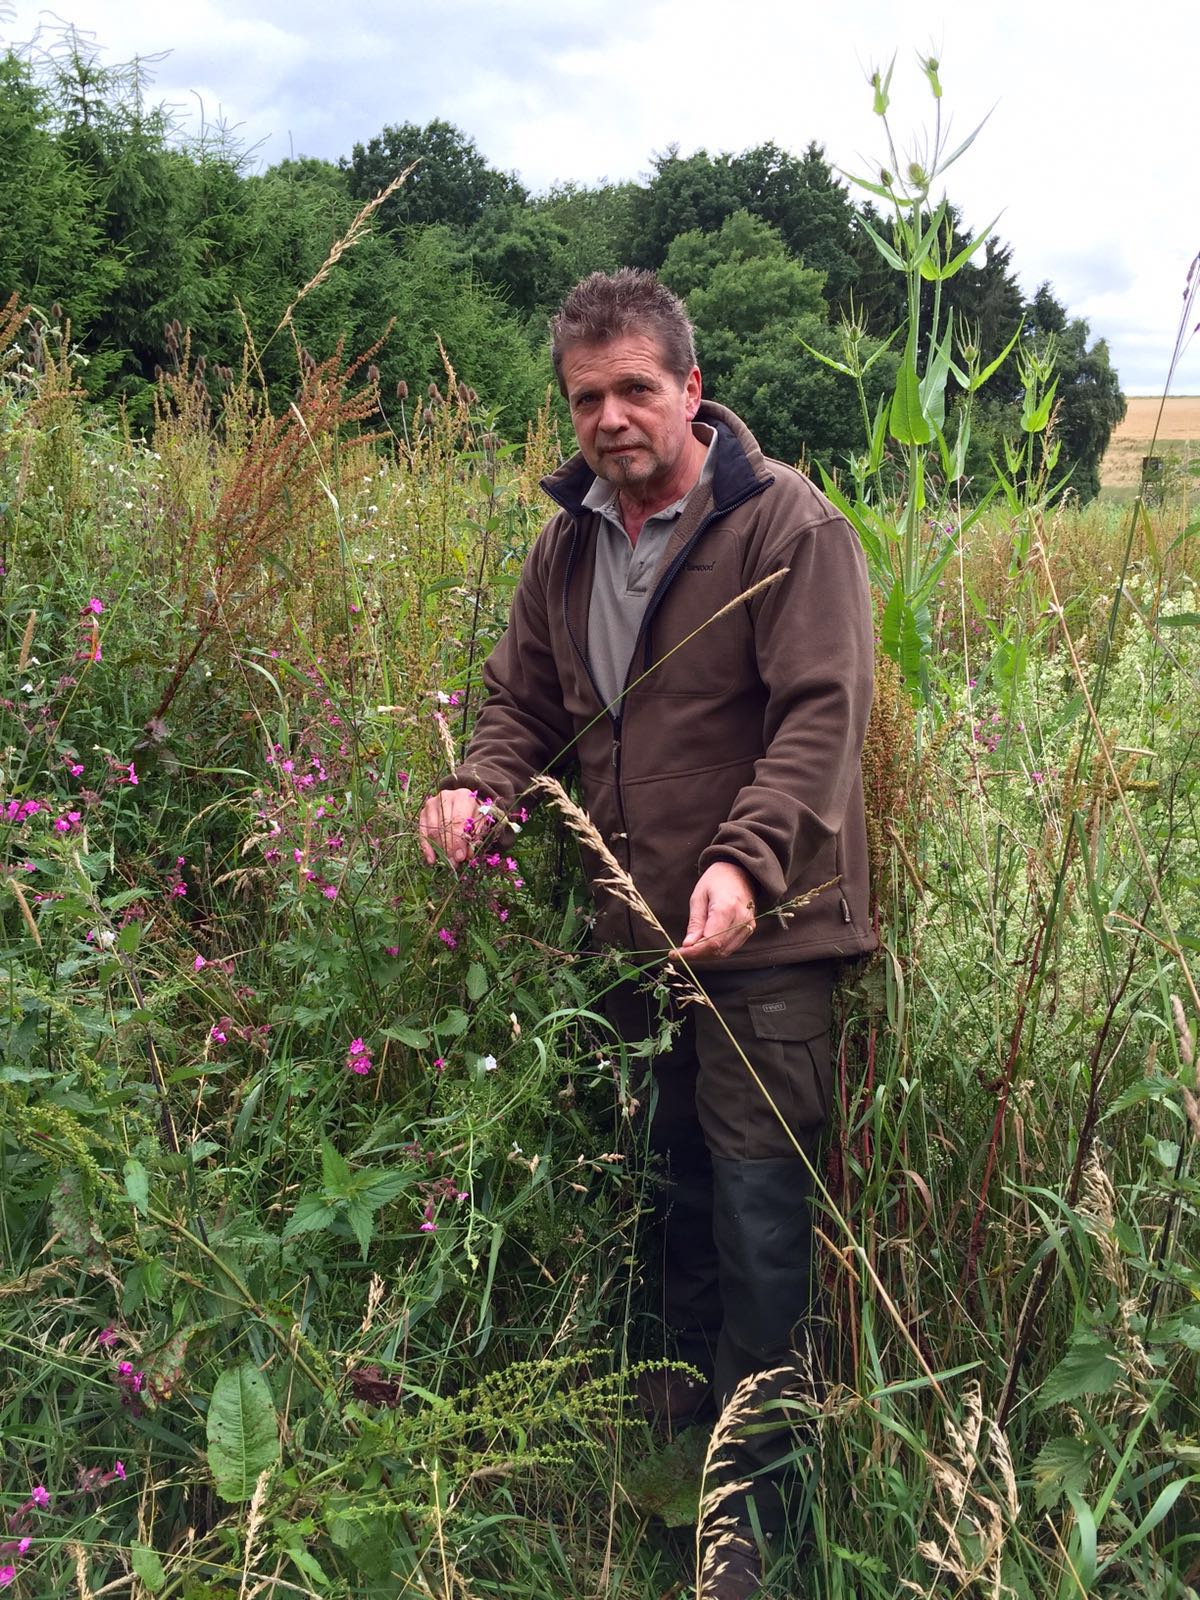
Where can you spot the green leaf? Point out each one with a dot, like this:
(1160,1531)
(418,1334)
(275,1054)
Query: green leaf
(1034,418)
(1090,1366)
(1150,1521)
(129,937)
(881,83)
(1084,1560)
(477,981)
(147,1566)
(243,1431)
(908,424)
(137,1185)
(412,1037)
(361,1218)
(1181,619)
(967,251)
(828,361)
(308,1564)
(335,1172)
(980,378)
(311,1214)
(1062,1467)
(881,244)
(453,1022)
(375,1187)
(932,387)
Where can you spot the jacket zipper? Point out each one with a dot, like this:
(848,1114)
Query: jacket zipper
(669,575)
(643,633)
(612,716)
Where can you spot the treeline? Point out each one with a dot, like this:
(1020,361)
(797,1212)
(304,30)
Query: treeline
(109,218)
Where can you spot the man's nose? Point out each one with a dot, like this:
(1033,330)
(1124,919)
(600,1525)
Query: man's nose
(612,414)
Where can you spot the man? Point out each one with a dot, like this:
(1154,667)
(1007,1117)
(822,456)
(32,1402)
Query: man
(693,629)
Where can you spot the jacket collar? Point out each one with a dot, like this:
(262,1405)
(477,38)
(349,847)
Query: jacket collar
(740,466)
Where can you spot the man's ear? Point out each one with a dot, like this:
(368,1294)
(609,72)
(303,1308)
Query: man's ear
(692,391)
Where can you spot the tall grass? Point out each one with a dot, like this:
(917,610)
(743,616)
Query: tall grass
(278,1101)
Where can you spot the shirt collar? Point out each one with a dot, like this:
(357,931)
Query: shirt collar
(602,495)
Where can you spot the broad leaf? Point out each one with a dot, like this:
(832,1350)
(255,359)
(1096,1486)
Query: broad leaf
(311,1213)
(335,1172)
(908,424)
(1062,1467)
(243,1431)
(147,1566)
(137,1185)
(1090,1366)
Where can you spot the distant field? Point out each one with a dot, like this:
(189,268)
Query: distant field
(1178,437)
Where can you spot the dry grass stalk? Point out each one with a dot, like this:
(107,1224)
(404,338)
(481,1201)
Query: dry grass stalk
(254,1523)
(26,913)
(1098,1208)
(79,1556)
(12,320)
(965,1509)
(718,1533)
(353,235)
(446,738)
(375,1293)
(273,501)
(617,879)
(26,642)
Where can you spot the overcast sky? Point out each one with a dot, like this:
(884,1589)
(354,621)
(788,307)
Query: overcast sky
(1089,155)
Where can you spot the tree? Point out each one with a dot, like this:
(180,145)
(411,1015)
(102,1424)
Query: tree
(450,184)
(687,194)
(759,314)
(52,247)
(1089,402)
(802,199)
(598,223)
(524,254)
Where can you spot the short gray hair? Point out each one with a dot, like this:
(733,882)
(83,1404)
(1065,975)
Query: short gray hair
(606,306)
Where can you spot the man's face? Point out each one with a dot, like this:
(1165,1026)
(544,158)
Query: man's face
(632,417)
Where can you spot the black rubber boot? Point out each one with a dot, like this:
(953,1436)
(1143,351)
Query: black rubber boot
(762,1227)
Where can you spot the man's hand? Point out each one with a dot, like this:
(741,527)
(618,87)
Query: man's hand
(441,826)
(720,914)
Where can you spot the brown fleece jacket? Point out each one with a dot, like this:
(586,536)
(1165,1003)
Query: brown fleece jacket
(739,734)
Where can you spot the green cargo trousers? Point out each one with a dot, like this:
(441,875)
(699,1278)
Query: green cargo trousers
(733,1215)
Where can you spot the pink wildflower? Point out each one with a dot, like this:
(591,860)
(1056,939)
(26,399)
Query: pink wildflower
(40,1495)
(133,777)
(330,891)
(199,964)
(447,938)
(94,606)
(218,1035)
(119,1469)
(109,1336)
(7,1574)
(429,1226)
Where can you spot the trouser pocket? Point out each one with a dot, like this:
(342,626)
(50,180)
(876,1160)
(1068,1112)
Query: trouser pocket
(765,1080)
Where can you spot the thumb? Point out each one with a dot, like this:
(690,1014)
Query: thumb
(697,914)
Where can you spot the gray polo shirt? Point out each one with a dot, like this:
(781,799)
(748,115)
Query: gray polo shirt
(625,573)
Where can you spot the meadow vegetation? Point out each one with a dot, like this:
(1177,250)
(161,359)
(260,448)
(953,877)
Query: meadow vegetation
(322,1197)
